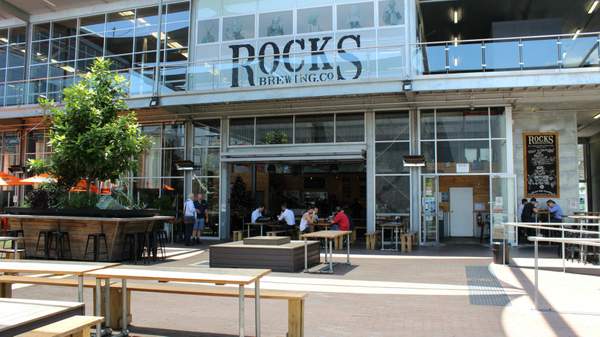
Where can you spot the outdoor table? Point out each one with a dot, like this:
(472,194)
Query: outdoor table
(239,277)
(58,268)
(261,224)
(329,237)
(21,315)
(13,240)
(395,228)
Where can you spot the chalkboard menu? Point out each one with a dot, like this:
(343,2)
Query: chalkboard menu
(541,164)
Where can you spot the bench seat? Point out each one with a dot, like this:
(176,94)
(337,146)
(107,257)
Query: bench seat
(74,326)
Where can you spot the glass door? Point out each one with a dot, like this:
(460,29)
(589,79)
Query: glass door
(502,207)
(429,205)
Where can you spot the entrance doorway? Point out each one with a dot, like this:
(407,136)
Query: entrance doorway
(325,185)
(461,211)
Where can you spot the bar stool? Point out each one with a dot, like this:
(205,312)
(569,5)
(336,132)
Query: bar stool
(97,239)
(62,244)
(160,241)
(43,235)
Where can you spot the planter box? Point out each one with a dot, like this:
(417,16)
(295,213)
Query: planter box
(84,212)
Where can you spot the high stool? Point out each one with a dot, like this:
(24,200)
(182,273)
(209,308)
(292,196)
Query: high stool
(43,235)
(160,239)
(97,239)
(62,244)
(16,233)
(131,247)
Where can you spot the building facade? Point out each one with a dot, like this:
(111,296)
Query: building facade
(320,103)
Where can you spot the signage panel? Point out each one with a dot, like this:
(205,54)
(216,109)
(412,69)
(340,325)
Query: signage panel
(541,163)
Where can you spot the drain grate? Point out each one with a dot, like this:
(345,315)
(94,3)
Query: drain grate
(484,288)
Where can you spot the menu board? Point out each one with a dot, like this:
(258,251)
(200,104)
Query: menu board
(541,164)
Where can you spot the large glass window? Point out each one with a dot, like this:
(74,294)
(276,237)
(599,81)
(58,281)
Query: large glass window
(12,62)
(274,130)
(314,129)
(392,195)
(350,127)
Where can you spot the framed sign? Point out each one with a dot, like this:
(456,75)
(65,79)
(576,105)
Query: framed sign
(541,163)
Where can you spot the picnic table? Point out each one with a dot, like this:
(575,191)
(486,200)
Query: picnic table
(329,237)
(14,240)
(21,315)
(396,228)
(239,277)
(258,224)
(59,268)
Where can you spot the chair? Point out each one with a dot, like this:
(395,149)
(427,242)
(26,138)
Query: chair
(43,235)
(97,239)
(161,239)
(132,250)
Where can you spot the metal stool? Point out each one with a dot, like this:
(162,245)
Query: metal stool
(132,249)
(45,235)
(96,251)
(62,244)
(160,241)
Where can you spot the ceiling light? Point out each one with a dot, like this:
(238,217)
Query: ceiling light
(455,16)
(597,116)
(126,13)
(49,3)
(593,7)
(455,39)
(577,32)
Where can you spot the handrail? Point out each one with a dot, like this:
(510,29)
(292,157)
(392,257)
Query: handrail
(514,38)
(537,239)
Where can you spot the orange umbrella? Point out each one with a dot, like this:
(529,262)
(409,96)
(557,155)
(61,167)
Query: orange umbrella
(168,188)
(8,180)
(39,179)
(82,187)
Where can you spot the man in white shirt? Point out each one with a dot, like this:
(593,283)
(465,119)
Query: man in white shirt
(287,215)
(257,213)
(307,220)
(189,218)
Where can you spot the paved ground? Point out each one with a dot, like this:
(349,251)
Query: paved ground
(445,291)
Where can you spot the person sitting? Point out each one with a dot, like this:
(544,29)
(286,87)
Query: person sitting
(306,222)
(340,220)
(529,211)
(556,213)
(257,213)
(287,216)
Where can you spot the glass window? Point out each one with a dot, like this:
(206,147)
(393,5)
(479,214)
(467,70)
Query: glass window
(355,16)
(39,52)
(427,124)
(16,56)
(206,161)
(207,133)
(177,35)
(209,9)
(178,12)
(276,24)
(389,157)
(392,194)
(149,164)
(3,56)
(64,28)
(38,71)
(241,131)
(499,156)
(498,122)
(174,135)
(274,130)
(314,129)
(169,160)
(153,133)
(92,24)
(208,31)
(463,157)
(146,191)
(392,125)
(540,53)
(18,35)
(428,151)
(349,127)
(236,7)
(312,20)
(147,17)
(90,46)
(210,188)
(41,31)
(462,123)
(391,12)
(63,49)
(120,20)
(238,28)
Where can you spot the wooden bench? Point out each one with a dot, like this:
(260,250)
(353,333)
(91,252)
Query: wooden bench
(371,240)
(238,235)
(74,326)
(8,253)
(295,299)
(407,240)
(276,233)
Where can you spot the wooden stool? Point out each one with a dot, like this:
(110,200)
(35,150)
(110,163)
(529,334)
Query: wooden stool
(371,240)
(238,235)
(406,241)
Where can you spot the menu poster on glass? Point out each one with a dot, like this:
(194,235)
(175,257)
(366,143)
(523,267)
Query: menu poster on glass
(541,164)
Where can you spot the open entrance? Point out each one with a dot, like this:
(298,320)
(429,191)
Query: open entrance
(300,185)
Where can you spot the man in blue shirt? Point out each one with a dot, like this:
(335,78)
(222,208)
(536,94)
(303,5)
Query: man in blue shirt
(556,213)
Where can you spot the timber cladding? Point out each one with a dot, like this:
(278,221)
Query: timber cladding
(541,164)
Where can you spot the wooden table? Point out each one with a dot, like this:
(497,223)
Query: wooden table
(329,237)
(14,240)
(20,315)
(261,224)
(58,268)
(239,277)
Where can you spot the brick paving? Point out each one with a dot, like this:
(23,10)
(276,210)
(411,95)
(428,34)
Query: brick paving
(425,293)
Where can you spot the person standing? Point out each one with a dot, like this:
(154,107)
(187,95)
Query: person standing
(520,209)
(202,217)
(529,215)
(556,213)
(340,220)
(189,218)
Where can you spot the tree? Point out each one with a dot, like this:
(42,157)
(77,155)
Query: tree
(93,135)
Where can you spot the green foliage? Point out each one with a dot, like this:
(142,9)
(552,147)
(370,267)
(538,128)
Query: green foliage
(37,166)
(81,200)
(275,137)
(89,139)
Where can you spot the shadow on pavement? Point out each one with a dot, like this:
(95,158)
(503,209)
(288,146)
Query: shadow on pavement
(154,332)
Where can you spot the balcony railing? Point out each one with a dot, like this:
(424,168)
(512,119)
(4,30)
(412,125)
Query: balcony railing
(336,66)
(526,53)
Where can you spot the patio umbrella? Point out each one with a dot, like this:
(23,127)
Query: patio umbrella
(8,180)
(39,179)
(82,187)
